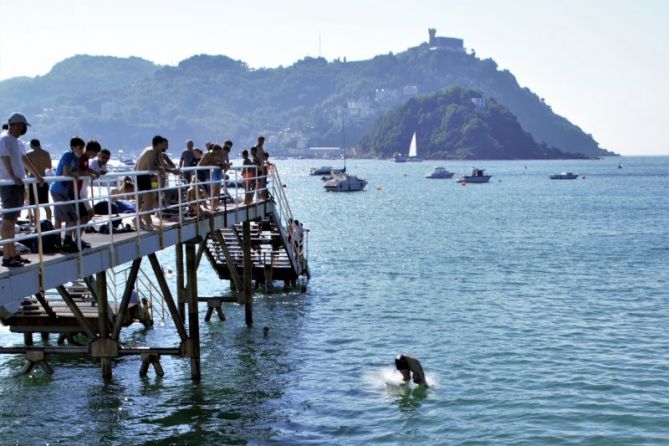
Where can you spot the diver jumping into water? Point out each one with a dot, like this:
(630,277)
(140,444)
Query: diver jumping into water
(408,364)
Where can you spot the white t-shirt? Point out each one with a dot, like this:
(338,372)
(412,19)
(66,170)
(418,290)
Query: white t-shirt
(95,166)
(14,149)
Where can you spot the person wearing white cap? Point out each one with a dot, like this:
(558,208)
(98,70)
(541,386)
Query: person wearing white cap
(12,161)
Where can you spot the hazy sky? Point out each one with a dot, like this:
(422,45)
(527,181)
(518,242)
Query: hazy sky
(603,64)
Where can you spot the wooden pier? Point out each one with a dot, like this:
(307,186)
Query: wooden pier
(241,241)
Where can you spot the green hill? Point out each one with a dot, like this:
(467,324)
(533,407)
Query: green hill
(455,124)
(124,102)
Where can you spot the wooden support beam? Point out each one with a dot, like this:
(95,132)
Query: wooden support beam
(193,317)
(167,297)
(47,308)
(200,251)
(78,315)
(213,304)
(103,322)
(92,286)
(248,271)
(125,300)
(149,359)
(228,260)
(100,286)
(181,289)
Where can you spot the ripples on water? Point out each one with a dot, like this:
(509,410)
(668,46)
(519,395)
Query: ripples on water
(539,308)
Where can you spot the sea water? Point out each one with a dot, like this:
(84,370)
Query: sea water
(539,310)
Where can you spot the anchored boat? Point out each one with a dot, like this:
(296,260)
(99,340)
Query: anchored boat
(439,173)
(342,182)
(477,176)
(564,176)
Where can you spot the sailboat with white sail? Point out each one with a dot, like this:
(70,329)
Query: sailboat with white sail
(413,153)
(413,150)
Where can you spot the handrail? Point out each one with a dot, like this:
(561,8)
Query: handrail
(99,193)
(185,204)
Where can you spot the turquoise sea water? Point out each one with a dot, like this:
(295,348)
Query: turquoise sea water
(539,309)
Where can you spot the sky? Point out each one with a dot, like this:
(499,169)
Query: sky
(602,64)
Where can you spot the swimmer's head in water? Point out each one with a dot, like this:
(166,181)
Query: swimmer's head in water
(401,363)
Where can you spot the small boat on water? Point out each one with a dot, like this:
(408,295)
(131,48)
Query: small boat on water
(325,170)
(412,156)
(440,172)
(477,176)
(564,176)
(343,182)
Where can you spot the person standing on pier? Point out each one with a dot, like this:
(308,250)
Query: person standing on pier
(13,162)
(151,159)
(91,152)
(41,159)
(63,191)
(186,160)
(248,172)
(262,170)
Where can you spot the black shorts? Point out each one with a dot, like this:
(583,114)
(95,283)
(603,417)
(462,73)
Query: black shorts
(12,196)
(42,194)
(144,182)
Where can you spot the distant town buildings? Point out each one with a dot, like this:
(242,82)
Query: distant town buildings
(444,43)
(479,104)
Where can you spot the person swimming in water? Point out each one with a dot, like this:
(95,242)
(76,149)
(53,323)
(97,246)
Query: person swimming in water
(407,365)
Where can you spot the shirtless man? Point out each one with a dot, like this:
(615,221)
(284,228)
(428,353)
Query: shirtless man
(408,364)
(151,159)
(41,161)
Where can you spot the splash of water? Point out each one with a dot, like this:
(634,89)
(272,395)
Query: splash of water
(389,377)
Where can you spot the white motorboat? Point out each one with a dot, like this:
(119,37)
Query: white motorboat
(440,172)
(477,176)
(342,182)
(564,176)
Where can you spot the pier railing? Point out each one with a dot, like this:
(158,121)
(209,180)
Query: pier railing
(175,201)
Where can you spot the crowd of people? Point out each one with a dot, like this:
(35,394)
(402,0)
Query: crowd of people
(86,161)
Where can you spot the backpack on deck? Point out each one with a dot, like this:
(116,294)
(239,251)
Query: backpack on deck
(50,242)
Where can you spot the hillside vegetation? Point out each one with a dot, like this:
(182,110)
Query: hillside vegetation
(124,102)
(455,124)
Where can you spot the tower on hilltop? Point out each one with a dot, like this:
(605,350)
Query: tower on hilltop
(444,43)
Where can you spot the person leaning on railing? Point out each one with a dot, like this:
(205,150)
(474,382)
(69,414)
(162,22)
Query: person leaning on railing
(151,159)
(63,193)
(13,162)
(214,159)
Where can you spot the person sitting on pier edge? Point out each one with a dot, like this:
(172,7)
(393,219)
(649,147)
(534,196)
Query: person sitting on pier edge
(408,364)
(120,200)
(13,162)
(151,159)
(62,191)
(41,159)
